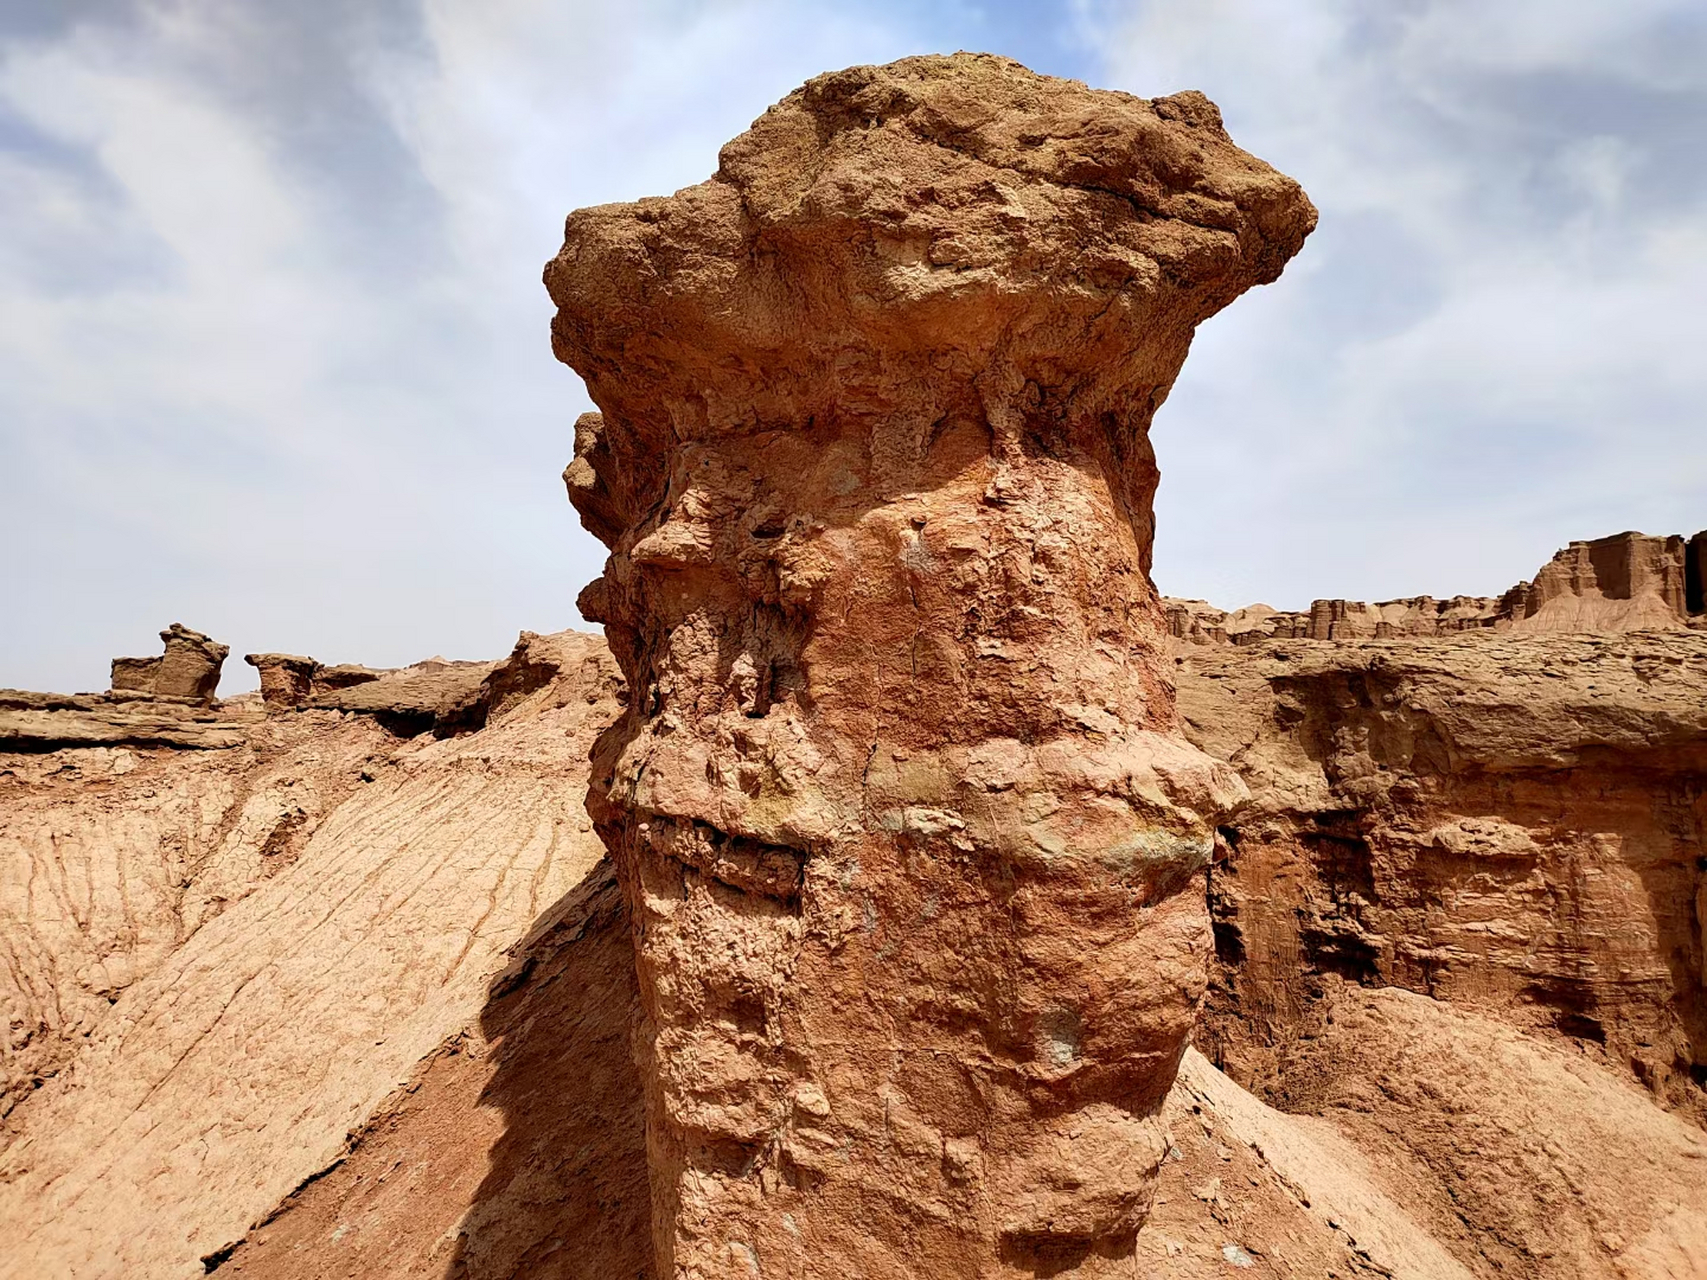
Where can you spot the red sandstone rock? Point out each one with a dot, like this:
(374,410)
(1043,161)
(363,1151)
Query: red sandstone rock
(899,807)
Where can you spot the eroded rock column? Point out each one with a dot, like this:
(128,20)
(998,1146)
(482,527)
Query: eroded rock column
(912,847)
(189,669)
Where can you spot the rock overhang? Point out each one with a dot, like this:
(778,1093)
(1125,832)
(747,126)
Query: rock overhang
(940,232)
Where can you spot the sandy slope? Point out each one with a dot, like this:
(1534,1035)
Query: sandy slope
(236,1066)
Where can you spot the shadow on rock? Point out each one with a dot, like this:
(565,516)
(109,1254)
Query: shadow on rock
(519,1154)
(565,1197)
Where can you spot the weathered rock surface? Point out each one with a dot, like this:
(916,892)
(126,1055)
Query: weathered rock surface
(1514,824)
(516,1152)
(1431,1143)
(286,678)
(439,698)
(52,721)
(1522,1157)
(549,1083)
(899,804)
(188,669)
(1626,582)
(1494,1135)
(220,963)
(112,857)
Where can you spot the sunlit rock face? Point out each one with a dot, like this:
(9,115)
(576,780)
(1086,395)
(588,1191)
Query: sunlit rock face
(911,843)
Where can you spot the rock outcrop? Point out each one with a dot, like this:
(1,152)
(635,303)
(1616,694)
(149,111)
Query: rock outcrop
(913,850)
(1625,582)
(1516,824)
(51,721)
(287,679)
(189,669)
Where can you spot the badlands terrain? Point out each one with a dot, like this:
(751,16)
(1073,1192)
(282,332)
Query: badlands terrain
(901,887)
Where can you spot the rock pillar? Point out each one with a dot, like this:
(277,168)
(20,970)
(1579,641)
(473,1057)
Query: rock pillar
(189,668)
(1695,573)
(912,848)
(287,679)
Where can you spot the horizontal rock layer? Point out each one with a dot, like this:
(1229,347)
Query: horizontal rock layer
(1626,582)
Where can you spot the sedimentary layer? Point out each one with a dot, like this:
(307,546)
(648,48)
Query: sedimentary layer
(1512,824)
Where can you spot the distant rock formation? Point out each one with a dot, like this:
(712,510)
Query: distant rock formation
(286,678)
(1625,582)
(290,680)
(216,964)
(899,803)
(436,694)
(189,668)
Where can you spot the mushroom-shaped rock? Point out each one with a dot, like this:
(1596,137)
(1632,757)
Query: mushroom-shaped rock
(287,679)
(913,847)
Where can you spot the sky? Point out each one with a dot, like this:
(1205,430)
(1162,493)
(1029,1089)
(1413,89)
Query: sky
(274,354)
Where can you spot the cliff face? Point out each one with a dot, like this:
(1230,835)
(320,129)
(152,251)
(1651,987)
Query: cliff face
(1512,824)
(899,806)
(1625,582)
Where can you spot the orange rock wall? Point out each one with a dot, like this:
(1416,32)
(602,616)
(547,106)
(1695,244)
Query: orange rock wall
(1514,824)
(1625,582)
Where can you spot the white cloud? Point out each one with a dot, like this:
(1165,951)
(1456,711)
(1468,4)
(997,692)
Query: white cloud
(1486,348)
(293,414)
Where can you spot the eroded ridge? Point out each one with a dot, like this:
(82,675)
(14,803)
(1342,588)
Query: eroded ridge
(899,805)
